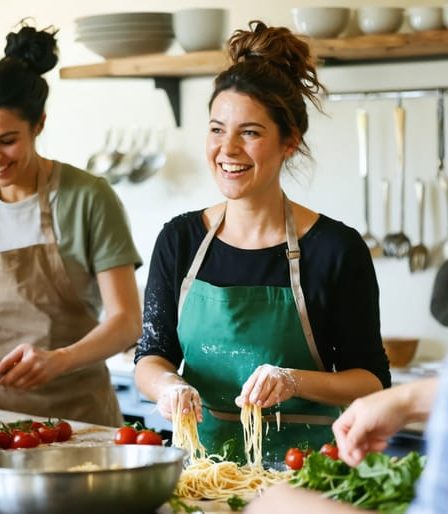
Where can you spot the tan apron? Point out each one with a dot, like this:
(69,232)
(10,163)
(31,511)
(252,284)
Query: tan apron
(39,306)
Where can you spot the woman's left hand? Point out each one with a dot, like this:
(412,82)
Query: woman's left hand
(27,367)
(268,385)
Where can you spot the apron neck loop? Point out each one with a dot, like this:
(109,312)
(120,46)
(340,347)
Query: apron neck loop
(43,192)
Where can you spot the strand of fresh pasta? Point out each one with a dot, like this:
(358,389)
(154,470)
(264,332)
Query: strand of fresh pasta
(211,477)
(251,421)
(185,434)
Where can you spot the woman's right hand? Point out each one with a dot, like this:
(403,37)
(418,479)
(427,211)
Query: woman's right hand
(181,396)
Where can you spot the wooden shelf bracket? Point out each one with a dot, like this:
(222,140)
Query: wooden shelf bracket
(171,86)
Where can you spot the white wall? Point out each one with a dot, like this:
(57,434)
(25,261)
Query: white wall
(79,111)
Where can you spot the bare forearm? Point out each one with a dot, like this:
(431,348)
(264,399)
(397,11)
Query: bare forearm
(416,398)
(339,388)
(153,374)
(115,334)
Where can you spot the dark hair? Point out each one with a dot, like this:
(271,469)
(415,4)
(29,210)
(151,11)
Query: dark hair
(28,54)
(273,66)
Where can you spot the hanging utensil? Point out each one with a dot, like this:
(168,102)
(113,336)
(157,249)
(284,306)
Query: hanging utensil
(102,161)
(370,240)
(398,244)
(441,175)
(419,254)
(385,186)
(153,159)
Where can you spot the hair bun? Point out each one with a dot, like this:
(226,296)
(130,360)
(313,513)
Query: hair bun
(37,49)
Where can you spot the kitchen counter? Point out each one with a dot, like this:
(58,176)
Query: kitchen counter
(86,434)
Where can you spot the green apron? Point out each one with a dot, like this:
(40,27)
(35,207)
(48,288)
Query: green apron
(227,332)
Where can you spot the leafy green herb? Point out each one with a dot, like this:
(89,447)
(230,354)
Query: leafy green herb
(177,505)
(379,482)
(236,503)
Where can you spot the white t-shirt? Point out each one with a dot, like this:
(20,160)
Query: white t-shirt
(20,223)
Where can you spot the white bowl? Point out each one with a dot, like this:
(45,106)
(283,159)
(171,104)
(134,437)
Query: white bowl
(380,20)
(425,18)
(199,29)
(320,22)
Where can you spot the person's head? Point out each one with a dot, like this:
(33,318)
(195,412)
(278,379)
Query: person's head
(274,67)
(23,92)
(271,76)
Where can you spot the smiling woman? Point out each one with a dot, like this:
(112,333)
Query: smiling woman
(265,301)
(59,260)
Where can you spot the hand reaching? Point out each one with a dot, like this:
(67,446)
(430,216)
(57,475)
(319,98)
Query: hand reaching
(268,385)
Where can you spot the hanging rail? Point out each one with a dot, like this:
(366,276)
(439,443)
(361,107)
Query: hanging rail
(396,94)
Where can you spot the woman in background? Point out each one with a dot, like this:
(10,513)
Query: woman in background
(225,293)
(65,250)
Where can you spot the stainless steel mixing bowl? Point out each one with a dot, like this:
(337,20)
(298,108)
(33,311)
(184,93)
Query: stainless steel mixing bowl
(128,479)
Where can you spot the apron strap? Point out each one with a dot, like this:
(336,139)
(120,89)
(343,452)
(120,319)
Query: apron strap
(293,255)
(197,261)
(46,217)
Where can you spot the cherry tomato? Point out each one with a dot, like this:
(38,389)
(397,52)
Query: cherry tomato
(48,433)
(35,425)
(64,430)
(294,458)
(125,435)
(330,450)
(24,440)
(5,440)
(149,437)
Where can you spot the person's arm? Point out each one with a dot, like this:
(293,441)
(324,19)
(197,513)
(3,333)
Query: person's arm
(27,366)
(158,379)
(159,354)
(347,330)
(269,385)
(369,422)
(285,499)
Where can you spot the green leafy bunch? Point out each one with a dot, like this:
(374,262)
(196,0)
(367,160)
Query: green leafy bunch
(379,482)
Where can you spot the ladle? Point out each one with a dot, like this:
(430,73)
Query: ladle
(419,254)
(102,161)
(363,124)
(398,244)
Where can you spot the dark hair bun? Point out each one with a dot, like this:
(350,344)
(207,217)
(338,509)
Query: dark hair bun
(278,47)
(37,49)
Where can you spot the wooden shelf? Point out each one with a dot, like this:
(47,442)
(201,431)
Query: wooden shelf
(169,69)
(382,47)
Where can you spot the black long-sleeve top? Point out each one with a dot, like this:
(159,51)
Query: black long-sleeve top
(337,277)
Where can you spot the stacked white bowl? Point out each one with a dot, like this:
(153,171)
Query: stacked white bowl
(126,33)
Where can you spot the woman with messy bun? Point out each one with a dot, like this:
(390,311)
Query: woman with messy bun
(65,250)
(225,292)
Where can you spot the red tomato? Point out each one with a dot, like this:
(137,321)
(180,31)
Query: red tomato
(35,425)
(294,458)
(48,433)
(5,440)
(24,440)
(64,430)
(125,435)
(330,450)
(149,437)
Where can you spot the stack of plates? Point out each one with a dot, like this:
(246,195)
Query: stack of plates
(125,34)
